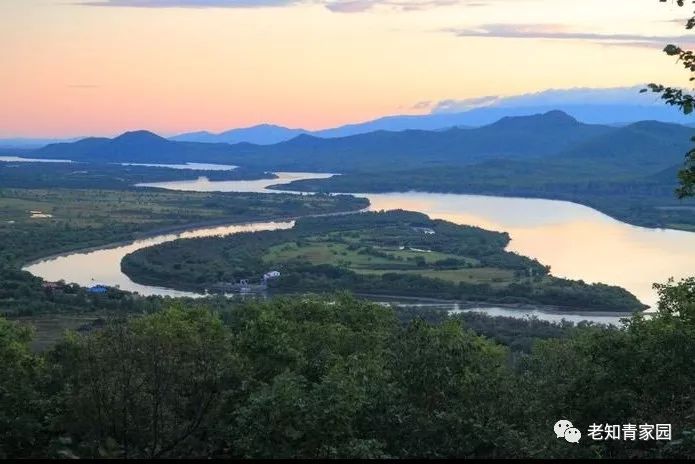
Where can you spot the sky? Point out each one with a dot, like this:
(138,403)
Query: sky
(101,67)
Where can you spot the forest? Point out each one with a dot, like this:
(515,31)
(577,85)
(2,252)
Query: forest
(339,377)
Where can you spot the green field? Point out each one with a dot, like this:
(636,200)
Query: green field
(94,208)
(326,250)
(323,252)
(81,218)
(149,207)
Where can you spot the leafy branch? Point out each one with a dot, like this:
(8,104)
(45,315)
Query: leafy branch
(684,101)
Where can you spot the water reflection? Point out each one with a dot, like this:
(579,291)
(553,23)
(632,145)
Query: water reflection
(576,241)
(543,315)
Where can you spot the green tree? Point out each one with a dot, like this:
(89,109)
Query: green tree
(22,407)
(319,378)
(147,387)
(643,374)
(449,402)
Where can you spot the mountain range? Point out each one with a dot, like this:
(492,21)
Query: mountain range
(555,135)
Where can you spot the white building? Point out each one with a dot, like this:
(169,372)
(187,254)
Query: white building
(271,275)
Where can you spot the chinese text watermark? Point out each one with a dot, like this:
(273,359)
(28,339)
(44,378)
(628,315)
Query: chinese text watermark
(608,432)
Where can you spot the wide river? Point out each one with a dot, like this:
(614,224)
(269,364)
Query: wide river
(576,241)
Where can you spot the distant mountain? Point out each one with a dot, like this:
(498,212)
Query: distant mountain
(589,114)
(604,114)
(513,137)
(428,122)
(137,146)
(536,135)
(201,136)
(264,134)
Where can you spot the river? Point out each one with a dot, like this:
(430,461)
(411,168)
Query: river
(576,241)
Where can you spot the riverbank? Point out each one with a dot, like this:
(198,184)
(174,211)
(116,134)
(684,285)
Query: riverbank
(468,305)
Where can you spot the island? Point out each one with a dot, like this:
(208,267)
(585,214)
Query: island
(394,253)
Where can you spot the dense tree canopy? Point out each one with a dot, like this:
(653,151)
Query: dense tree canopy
(338,377)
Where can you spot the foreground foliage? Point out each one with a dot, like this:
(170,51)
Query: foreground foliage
(684,101)
(339,377)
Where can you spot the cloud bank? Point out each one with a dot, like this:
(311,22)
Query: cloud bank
(552,97)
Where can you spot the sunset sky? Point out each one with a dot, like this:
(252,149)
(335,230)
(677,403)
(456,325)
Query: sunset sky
(95,67)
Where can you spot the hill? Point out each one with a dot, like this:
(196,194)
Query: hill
(137,146)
